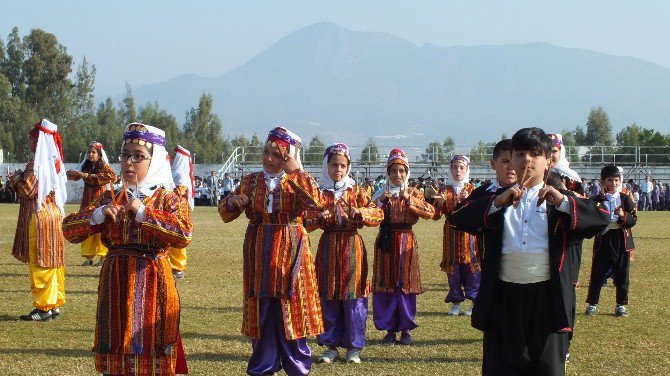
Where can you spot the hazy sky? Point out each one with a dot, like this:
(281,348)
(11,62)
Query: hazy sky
(149,41)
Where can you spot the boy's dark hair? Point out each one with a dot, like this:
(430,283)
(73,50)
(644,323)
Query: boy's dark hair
(532,139)
(502,146)
(610,171)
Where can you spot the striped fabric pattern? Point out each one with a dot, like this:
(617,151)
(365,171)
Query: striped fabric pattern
(400,268)
(96,183)
(277,259)
(50,241)
(458,247)
(341,259)
(138,305)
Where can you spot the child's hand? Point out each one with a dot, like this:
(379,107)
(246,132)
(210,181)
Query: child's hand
(550,194)
(133,205)
(324,216)
(238,202)
(509,197)
(110,210)
(619,212)
(290,165)
(385,196)
(405,194)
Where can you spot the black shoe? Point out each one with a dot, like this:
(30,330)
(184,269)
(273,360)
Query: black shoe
(55,313)
(178,274)
(37,315)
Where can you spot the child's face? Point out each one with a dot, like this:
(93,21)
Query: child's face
(458,170)
(611,184)
(273,159)
(536,163)
(337,167)
(397,174)
(93,155)
(131,172)
(503,167)
(555,155)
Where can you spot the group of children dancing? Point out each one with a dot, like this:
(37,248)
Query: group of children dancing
(513,247)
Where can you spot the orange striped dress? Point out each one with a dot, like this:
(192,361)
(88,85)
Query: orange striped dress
(138,305)
(399,265)
(458,247)
(341,259)
(277,259)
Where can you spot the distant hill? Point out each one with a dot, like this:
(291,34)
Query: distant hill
(348,85)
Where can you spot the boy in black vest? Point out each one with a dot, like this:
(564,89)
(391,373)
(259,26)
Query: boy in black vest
(526,297)
(612,248)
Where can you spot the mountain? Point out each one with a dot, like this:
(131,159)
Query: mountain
(348,85)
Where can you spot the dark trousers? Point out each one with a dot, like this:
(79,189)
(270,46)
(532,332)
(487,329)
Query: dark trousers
(521,339)
(611,255)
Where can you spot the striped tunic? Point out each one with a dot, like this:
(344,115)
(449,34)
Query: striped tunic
(50,241)
(341,260)
(399,266)
(96,183)
(277,259)
(458,247)
(138,305)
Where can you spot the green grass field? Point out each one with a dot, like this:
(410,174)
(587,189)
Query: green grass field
(211,312)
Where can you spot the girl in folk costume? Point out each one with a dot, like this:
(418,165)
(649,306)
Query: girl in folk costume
(560,167)
(137,327)
(281,301)
(39,237)
(341,259)
(396,280)
(459,249)
(182,174)
(97,175)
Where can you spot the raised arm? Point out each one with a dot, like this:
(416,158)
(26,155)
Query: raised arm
(103,177)
(78,226)
(371,215)
(25,184)
(170,223)
(418,205)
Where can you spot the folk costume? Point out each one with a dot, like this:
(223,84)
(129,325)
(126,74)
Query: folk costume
(613,248)
(341,260)
(39,238)
(281,301)
(526,297)
(459,248)
(182,174)
(97,179)
(396,279)
(137,327)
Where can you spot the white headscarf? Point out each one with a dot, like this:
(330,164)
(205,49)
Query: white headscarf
(458,185)
(182,172)
(48,164)
(160,173)
(562,167)
(337,187)
(396,156)
(100,148)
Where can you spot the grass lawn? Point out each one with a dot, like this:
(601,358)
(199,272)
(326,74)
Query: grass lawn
(211,312)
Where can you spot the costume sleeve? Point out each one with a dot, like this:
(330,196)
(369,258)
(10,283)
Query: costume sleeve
(584,217)
(439,210)
(307,191)
(310,220)
(629,212)
(372,216)
(418,206)
(228,215)
(103,177)
(475,216)
(26,185)
(77,226)
(170,223)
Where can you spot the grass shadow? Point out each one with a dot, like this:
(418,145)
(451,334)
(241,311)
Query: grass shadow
(69,353)
(432,359)
(445,341)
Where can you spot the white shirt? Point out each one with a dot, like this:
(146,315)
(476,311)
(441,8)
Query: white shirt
(271,182)
(526,229)
(613,202)
(646,186)
(495,185)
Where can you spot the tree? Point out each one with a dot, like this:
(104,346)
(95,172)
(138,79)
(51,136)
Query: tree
(152,114)
(448,146)
(82,127)
(127,111)
(202,131)
(47,68)
(598,128)
(110,128)
(314,152)
(370,153)
(580,136)
(12,64)
(435,153)
(482,153)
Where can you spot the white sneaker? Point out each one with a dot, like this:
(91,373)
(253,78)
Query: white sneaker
(354,356)
(329,356)
(455,309)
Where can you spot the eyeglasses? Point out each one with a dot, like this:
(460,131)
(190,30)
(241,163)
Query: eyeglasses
(135,158)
